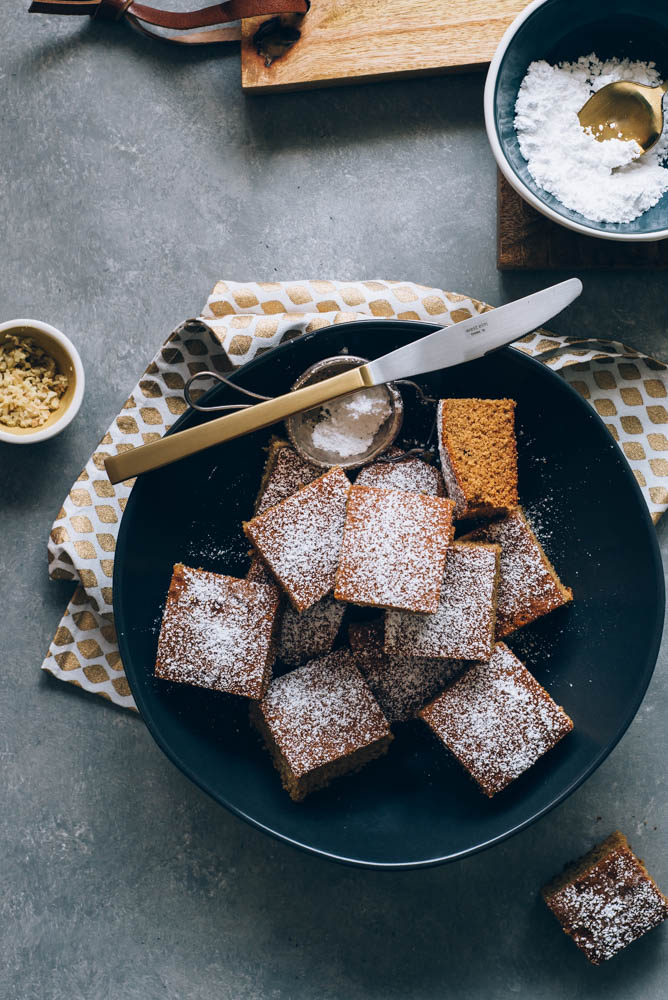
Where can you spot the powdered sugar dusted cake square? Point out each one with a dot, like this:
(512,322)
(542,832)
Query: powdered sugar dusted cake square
(529,586)
(217,632)
(400,684)
(321,721)
(300,538)
(259,572)
(308,634)
(497,720)
(478,451)
(394,549)
(463,625)
(410,474)
(285,472)
(606,899)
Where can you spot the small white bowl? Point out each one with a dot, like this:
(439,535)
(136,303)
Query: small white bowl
(68,361)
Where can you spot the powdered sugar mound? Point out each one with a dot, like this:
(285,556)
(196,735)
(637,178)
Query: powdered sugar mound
(603,181)
(348,426)
(322,712)
(497,719)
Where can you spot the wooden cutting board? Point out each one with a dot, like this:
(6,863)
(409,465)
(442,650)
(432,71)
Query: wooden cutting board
(354,41)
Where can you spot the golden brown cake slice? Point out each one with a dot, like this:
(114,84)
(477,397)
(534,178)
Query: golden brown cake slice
(529,586)
(285,472)
(497,720)
(606,899)
(400,684)
(321,721)
(394,549)
(478,454)
(217,632)
(300,538)
(411,474)
(306,635)
(462,628)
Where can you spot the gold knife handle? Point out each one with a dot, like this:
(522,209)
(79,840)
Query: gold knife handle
(172,447)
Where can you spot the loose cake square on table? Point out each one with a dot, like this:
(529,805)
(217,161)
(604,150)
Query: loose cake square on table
(463,625)
(321,721)
(400,684)
(217,632)
(300,538)
(606,899)
(497,720)
(478,452)
(394,549)
(411,474)
(529,586)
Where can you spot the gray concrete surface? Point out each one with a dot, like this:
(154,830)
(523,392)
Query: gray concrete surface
(132,177)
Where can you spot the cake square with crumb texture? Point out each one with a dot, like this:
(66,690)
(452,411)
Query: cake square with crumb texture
(305,635)
(394,549)
(478,452)
(606,900)
(285,472)
(217,632)
(529,585)
(497,720)
(400,684)
(463,625)
(411,474)
(300,538)
(319,722)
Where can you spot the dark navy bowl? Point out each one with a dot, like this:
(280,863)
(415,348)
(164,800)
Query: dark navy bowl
(558,30)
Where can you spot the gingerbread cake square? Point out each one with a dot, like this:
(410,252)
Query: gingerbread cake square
(462,628)
(497,720)
(400,684)
(309,634)
(529,585)
(606,899)
(217,632)
(394,549)
(411,474)
(319,722)
(285,472)
(300,538)
(478,454)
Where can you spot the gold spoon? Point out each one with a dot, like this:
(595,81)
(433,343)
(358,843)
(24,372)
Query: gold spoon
(632,109)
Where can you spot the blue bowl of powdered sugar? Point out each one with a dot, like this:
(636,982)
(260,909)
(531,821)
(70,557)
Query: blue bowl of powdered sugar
(551,59)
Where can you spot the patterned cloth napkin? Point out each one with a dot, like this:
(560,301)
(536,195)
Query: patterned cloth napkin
(239,321)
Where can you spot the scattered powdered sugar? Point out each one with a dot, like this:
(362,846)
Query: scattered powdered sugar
(609,906)
(322,712)
(301,537)
(603,181)
(348,426)
(216,632)
(411,474)
(497,720)
(527,586)
(463,626)
(285,472)
(400,684)
(394,549)
(311,633)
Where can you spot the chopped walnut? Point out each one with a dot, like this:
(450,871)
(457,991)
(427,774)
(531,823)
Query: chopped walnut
(30,385)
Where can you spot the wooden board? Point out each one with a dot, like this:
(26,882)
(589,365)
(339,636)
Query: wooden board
(527,240)
(351,41)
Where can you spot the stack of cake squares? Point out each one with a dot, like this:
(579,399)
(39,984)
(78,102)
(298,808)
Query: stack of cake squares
(362,610)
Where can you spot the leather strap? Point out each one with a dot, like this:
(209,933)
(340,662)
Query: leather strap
(140,15)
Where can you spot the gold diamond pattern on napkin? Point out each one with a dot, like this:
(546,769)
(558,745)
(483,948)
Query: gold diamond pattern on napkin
(240,321)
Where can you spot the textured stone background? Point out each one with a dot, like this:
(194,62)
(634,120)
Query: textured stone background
(133,176)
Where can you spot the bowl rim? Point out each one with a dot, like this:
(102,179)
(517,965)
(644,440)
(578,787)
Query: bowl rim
(504,165)
(71,410)
(648,666)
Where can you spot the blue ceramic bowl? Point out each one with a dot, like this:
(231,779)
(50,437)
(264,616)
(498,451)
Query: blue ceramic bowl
(558,30)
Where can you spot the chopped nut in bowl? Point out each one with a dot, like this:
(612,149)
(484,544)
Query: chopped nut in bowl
(41,381)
